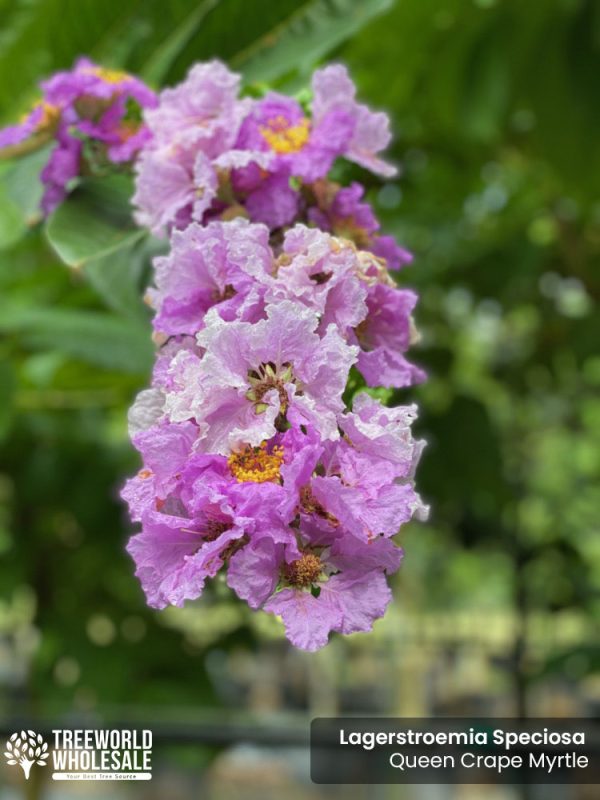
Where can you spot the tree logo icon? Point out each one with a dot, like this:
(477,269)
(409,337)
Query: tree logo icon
(26,749)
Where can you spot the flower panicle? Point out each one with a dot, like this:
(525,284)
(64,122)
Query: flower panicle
(275,295)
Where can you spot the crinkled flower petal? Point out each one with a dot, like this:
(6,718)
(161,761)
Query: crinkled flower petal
(253,572)
(202,114)
(308,620)
(360,597)
(333,89)
(216,265)
(165,187)
(173,561)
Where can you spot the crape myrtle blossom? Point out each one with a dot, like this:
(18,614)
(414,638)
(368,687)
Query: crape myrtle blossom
(93,115)
(253,376)
(193,124)
(252,465)
(35,127)
(275,298)
(333,90)
(276,284)
(254,512)
(213,154)
(299,147)
(327,581)
(219,265)
(353,289)
(341,210)
(385,334)
(230,267)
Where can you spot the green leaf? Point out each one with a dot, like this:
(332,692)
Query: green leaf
(117,279)
(159,39)
(312,30)
(93,222)
(157,68)
(12,225)
(104,340)
(121,277)
(20,194)
(23,184)
(7,391)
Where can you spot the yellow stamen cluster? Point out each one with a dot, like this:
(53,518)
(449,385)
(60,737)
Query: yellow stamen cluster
(304,571)
(108,75)
(285,138)
(50,116)
(256,464)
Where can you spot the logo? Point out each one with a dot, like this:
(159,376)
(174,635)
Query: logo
(26,749)
(85,755)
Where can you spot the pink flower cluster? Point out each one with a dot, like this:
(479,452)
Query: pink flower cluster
(275,291)
(93,115)
(216,155)
(276,285)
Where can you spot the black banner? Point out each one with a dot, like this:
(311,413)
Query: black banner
(361,750)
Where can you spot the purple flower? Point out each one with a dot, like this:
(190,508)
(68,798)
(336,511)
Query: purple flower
(40,122)
(367,492)
(348,602)
(254,576)
(323,274)
(217,265)
(252,464)
(87,102)
(381,432)
(333,90)
(253,376)
(366,504)
(192,132)
(90,81)
(202,114)
(342,211)
(97,102)
(197,510)
(166,449)
(259,484)
(60,170)
(387,248)
(258,149)
(174,555)
(327,582)
(123,137)
(273,201)
(251,513)
(385,335)
(302,148)
(167,187)
(162,380)
(354,291)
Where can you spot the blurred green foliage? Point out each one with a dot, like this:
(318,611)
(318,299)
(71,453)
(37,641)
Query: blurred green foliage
(497,128)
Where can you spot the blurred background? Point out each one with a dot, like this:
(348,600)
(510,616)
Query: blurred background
(496,118)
